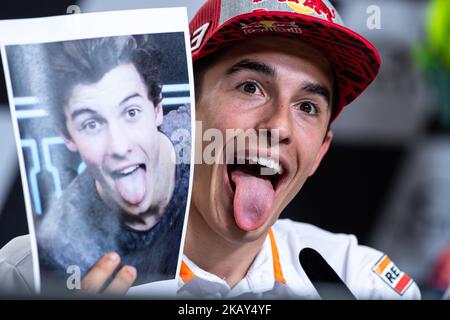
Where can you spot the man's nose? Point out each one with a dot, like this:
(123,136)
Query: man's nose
(119,143)
(278,122)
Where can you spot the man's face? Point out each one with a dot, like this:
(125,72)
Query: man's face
(268,83)
(113,125)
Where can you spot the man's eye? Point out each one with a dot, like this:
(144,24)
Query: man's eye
(308,107)
(133,112)
(90,125)
(250,87)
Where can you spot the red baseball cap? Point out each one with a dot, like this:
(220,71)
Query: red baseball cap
(220,23)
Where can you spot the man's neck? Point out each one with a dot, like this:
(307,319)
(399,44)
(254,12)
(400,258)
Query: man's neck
(166,172)
(214,254)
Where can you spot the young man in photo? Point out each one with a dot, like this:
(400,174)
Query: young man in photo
(104,96)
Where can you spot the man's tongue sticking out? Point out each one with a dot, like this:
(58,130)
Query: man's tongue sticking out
(132,187)
(253,200)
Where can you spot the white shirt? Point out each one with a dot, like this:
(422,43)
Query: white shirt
(276,271)
(447,294)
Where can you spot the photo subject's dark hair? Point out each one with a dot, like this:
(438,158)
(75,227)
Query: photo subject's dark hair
(86,61)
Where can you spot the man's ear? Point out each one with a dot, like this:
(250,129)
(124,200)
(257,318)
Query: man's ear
(159,114)
(323,150)
(68,142)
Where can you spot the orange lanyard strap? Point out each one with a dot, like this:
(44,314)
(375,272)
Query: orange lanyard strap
(186,273)
(276,259)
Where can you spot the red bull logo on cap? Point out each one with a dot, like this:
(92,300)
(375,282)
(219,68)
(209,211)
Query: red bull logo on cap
(321,8)
(306,7)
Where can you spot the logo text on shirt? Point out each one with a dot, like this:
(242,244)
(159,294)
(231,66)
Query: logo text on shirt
(392,275)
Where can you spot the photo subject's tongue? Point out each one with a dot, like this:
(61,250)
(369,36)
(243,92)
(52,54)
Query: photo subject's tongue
(132,187)
(253,200)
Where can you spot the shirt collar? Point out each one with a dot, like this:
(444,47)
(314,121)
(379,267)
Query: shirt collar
(263,274)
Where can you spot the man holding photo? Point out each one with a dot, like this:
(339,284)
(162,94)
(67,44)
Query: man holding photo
(288,67)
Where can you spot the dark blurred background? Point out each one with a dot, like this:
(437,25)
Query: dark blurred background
(386,178)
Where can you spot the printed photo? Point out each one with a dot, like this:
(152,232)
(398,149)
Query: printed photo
(105,133)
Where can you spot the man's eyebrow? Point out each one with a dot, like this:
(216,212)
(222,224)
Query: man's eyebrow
(79,112)
(252,65)
(319,89)
(131,96)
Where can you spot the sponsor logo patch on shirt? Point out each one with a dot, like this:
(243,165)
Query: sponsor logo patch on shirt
(392,275)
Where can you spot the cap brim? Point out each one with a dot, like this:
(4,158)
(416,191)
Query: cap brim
(355,60)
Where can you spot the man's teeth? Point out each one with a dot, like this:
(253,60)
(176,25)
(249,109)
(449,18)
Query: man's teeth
(129,170)
(266,162)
